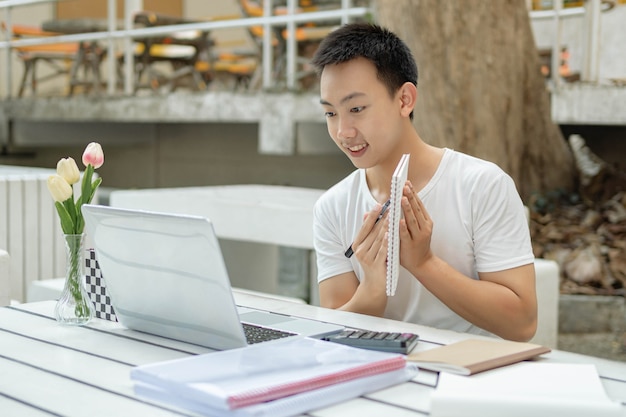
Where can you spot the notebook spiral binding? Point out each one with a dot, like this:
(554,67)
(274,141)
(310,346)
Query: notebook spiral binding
(395,214)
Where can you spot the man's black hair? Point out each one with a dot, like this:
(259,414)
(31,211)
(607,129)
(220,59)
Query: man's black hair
(394,62)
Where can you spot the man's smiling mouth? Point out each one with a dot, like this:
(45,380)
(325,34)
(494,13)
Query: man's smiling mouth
(357,148)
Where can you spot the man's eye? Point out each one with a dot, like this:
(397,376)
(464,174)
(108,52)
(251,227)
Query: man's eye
(358,109)
(329,114)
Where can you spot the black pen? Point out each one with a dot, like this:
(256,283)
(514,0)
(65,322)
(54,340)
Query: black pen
(350,252)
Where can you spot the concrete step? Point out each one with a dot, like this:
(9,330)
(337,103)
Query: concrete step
(603,345)
(591,314)
(593,325)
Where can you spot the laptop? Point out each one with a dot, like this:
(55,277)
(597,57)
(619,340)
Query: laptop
(165,275)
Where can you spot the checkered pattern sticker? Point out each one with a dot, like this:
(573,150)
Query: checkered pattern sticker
(97,288)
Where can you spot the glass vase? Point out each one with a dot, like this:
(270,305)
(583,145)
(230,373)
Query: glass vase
(74,306)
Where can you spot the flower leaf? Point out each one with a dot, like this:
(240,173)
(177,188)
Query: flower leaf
(86,185)
(80,225)
(80,222)
(66,221)
(70,209)
(94,187)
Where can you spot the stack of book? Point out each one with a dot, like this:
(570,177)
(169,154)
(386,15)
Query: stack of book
(280,378)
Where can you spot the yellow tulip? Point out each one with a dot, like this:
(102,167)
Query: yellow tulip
(93,155)
(68,169)
(59,188)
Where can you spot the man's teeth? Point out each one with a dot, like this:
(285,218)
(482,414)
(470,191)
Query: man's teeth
(357,148)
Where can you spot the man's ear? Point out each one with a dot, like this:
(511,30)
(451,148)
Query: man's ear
(408,98)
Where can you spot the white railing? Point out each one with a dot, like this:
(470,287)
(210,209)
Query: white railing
(343,14)
(591,13)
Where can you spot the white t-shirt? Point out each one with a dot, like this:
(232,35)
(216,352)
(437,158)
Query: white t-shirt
(479,225)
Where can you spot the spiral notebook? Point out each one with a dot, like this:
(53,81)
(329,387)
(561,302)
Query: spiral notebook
(395,214)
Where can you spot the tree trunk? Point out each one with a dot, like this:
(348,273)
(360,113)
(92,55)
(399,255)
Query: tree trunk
(480,89)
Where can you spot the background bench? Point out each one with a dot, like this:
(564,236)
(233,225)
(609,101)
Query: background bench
(265,231)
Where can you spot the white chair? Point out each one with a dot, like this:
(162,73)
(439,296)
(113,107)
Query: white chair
(547,277)
(5,280)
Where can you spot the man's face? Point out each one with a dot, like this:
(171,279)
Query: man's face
(362,118)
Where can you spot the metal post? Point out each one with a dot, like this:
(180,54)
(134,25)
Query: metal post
(112,61)
(9,67)
(345,4)
(268,59)
(130,7)
(291,46)
(556,47)
(592,41)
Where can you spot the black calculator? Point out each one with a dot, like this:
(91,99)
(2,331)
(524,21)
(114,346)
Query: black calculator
(382,341)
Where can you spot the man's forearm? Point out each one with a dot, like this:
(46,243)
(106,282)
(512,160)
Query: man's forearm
(502,303)
(367,299)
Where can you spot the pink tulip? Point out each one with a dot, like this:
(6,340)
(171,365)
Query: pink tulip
(93,155)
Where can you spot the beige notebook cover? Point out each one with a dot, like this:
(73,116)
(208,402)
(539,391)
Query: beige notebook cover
(475,355)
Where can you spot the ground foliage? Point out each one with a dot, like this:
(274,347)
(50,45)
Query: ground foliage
(585,231)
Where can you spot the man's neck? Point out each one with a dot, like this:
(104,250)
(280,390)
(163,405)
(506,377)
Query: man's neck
(423,164)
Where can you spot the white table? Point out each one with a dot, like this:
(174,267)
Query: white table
(48,369)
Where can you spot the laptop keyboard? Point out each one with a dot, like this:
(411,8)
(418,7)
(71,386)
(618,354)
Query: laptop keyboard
(256,334)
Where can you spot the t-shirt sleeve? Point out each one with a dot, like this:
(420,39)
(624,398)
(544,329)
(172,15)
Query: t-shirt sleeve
(501,233)
(329,246)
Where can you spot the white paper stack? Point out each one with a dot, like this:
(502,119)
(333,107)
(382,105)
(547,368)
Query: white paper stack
(525,389)
(271,379)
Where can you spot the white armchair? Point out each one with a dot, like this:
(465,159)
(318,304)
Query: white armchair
(547,276)
(547,284)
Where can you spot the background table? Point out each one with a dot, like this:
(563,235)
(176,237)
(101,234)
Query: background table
(89,55)
(47,369)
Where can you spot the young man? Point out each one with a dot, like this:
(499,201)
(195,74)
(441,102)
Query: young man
(465,252)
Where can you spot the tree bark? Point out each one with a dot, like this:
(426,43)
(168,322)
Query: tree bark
(480,89)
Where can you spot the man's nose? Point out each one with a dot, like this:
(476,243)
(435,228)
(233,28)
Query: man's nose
(345,129)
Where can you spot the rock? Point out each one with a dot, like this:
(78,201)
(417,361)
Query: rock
(584,266)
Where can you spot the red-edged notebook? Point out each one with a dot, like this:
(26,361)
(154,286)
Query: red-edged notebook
(242,377)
